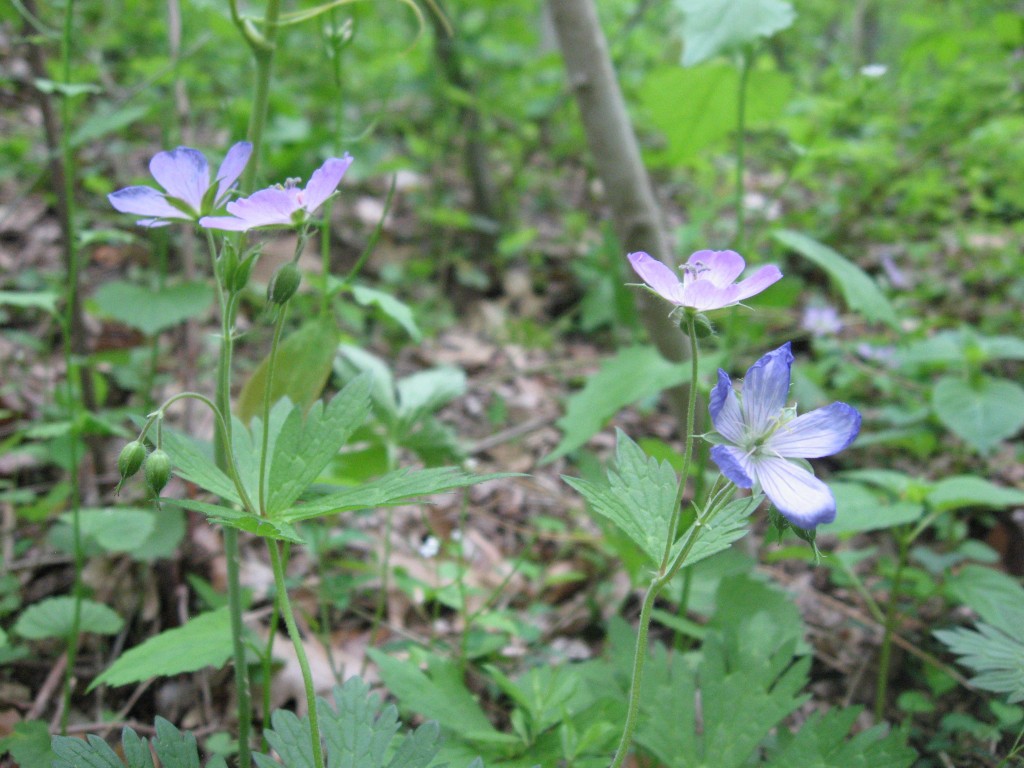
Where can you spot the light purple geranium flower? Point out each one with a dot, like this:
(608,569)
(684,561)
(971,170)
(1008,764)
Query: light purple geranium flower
(185,175)
(759,436)
(282,206)
(709,279)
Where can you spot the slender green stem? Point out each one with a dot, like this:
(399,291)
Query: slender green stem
(639,658)
(741,143)
(885,655)
(667,569)
(222,447)
(72,370)
(691,415)
(300,651)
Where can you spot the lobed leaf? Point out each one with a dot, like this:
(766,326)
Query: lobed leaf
(54,617)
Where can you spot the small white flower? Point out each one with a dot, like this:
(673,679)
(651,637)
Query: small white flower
(874,70)
(430,547)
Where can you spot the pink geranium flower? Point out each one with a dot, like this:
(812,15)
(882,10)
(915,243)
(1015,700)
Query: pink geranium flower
(282,206)
(709,279)
(189,191)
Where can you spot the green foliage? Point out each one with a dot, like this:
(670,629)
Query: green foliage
(29,744)
(860,291)
(405,409)
(152,310)
(639,497)
(695,109)
(203,641)
(983,411)
(726,701)
(398,311)
(174,749)
(303,365)
(711,27)
(634,373)
(54,617)
(996,658)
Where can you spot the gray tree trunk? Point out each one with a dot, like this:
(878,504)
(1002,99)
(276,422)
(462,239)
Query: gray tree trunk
(613,145)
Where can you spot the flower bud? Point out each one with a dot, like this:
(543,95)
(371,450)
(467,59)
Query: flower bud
(130,459)
(158,470)
(284,283)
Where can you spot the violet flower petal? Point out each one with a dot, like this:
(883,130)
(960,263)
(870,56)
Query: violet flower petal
(268,207)
(765,390)
(231,168)
(757,282)
(144,201)
(658,277)
(720,267)
(724,406)
(324,181)
(801,497)
(734,464)
(184,173)
(819,433)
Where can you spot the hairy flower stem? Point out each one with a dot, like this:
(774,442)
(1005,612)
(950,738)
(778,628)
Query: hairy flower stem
(885,655)
(300,651)
(221,448)
(667,569)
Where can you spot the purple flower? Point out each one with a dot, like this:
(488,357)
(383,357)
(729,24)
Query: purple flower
(190,193)
(709,279)
(282,206)
(821,321)
(758,436)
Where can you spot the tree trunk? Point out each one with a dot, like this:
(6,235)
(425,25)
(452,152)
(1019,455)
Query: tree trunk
(613,145)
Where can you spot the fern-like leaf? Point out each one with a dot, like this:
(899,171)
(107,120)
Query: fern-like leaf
(996,657)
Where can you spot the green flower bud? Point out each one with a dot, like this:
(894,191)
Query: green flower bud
(284,283)
(240,278)
(130,459)
(158,470)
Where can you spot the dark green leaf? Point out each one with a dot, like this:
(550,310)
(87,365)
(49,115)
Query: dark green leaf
(397,487)
(204,641)
(860,291)
(983,413)
(152,310)
(305,446)
(304,361)
(633,374)
(54,617)
(711,27)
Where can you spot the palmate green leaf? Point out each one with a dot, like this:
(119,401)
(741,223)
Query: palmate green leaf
(631,375)
(115,529)
(821,743)
(390,306)
(305,446)
(424,392)
(54,617)
(358,734)
(174,749)
(399,487)
(247,445)
(440,694)
(996,657)
(304,361)
(193,461)
(859,290)
(241,520)
(711,27)
(983,413)
(996,597)
(152,310)
(710,538)
(203,641)
(640,496)
(29,743)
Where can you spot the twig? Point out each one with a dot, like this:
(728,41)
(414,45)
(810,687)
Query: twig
(52,682)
